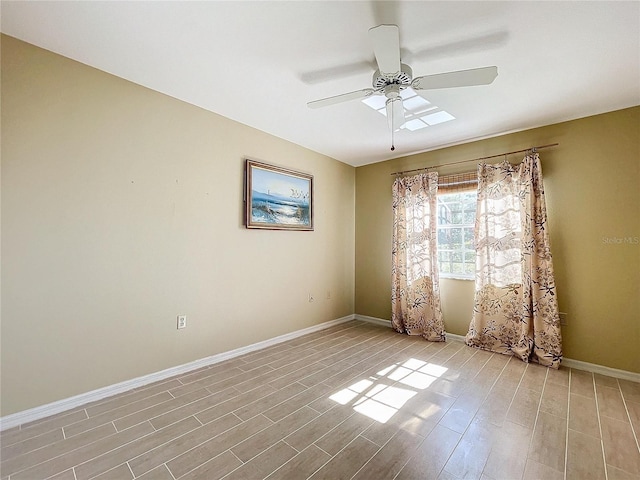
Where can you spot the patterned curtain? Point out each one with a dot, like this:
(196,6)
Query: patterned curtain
(415,297)
(515,309)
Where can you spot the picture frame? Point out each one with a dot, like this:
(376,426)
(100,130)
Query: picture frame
(277,198)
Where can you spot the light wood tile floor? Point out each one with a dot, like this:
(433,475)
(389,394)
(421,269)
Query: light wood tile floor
(354,401)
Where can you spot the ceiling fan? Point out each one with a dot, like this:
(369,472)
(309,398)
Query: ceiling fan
(392,77)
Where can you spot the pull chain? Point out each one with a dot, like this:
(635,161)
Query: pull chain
(393,147)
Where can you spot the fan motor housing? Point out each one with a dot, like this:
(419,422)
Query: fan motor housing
(403,77)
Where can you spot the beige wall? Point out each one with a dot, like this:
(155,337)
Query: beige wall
(122,208)
(592,182)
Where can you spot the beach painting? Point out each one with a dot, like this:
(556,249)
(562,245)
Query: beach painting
(278,198)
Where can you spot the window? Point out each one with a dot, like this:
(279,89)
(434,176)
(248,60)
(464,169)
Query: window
(456,218)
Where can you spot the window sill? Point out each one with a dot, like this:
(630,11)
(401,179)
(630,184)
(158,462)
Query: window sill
(449,276)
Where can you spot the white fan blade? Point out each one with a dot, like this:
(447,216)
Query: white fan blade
(345,97)
(395,113)
(462,78)
(386,46)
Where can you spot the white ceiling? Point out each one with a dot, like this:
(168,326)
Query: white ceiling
(259,63)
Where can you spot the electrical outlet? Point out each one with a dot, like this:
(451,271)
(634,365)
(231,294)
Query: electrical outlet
(182,321)
(563,318)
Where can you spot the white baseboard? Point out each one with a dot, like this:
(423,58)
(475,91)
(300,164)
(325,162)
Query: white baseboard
(43,411)
(601,369)
(567,362)
(454,337)
(377,321)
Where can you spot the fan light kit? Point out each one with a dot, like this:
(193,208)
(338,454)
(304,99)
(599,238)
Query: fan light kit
(392,78)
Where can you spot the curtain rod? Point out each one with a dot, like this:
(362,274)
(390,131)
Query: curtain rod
(531,149)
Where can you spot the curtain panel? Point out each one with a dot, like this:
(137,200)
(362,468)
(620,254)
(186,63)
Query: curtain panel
(415,297)
(515,306)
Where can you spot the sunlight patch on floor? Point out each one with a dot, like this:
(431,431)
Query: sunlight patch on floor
(380,399)
(346,395)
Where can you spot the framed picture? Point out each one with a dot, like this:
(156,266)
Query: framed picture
(277,198)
